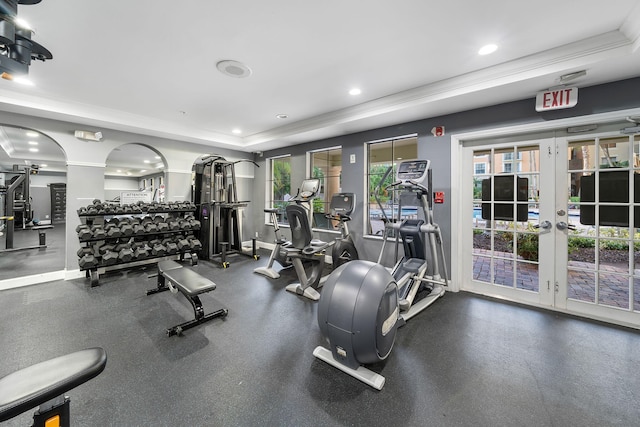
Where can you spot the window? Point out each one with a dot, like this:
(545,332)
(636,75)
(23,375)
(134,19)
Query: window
(326,165)
(380,156)
(279,186)
(480,168)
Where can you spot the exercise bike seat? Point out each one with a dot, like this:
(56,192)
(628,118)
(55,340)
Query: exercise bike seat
(32,386)
(271,210)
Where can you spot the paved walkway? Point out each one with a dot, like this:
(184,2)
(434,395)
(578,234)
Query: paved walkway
(613,280)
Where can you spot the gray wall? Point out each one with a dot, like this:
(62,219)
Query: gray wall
(597,99)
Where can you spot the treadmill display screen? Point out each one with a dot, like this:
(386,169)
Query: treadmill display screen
(415,170)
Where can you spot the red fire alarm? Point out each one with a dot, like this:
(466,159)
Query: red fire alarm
(437,130)
(438,197)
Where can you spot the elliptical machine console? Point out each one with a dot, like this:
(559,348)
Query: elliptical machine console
(362,304)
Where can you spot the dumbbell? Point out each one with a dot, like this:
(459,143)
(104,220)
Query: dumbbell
(126,229)
(195,244)
(151,228)
(195,224)
(84,251)
(138,229)
(84,232)
(162,227)
(183,245)
(112,230)
(158,219)
(109,210)
(141,252)
(87,261)
(185,225)
(146,220)
(119,210)
(110,258)
(174,225)
(97,232)
(106,248)
(158,250)
(125,254)
(172,248)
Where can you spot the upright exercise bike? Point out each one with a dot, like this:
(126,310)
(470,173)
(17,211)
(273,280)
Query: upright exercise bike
(340,209)
(363,304)
(304,198)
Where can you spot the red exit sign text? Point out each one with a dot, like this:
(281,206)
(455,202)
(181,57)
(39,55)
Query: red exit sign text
(557,99)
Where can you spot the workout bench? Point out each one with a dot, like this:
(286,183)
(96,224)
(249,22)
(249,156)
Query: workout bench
(45,384)
(172,276)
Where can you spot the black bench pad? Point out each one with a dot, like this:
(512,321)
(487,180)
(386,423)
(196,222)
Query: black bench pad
(39,383)
(167,265)
(188,281)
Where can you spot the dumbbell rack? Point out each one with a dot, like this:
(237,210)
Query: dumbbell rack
(101,220)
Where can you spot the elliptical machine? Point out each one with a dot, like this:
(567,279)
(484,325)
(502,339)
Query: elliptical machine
(304,198)
(341,208)
(363,304)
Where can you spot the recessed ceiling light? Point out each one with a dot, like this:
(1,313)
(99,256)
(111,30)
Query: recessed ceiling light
(487,49)
(33,150)
(33,142)
(43,165)
(143,170)
(232,68)
(158,157)
(32,134)
(146,161)
(237,131)
(23,81)
(282,116)
(355,91)
(119,170)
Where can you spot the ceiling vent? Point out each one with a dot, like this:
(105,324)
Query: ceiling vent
(233,68)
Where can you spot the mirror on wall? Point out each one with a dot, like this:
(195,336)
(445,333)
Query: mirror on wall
(33,176)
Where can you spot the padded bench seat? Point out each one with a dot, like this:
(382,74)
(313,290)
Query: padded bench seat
(49,380)
(173,276)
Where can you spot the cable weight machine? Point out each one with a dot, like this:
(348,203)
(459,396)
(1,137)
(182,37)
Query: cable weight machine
(219,210)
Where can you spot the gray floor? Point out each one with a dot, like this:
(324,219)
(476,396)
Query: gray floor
(33,261)
(466,361)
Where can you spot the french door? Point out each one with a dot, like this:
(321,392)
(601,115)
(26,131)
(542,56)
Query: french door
(552,220)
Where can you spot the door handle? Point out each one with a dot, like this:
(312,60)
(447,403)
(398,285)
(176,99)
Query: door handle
(545,225)
(564,226)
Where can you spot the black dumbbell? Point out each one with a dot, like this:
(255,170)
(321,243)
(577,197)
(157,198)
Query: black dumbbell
(97,232)
(138,229)
(172,248)
(126,229)
(87,261)
(113,230)
(174,225)
(141,252)
(146,220)
(84,251)
(158,250)
(185,225)
(106,248)
(151,228)
(84,232)
(158,219)
(125,254)
(183,245)
(110,258)
(195,244)
(195,224)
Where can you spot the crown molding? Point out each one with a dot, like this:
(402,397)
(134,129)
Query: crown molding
(551,62)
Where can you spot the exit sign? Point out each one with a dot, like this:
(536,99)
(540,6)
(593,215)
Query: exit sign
(557,99)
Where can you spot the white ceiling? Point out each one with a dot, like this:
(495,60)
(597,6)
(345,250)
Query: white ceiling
(149,66)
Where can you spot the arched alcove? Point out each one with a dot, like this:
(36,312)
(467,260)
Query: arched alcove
(135,167)
(33,176)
